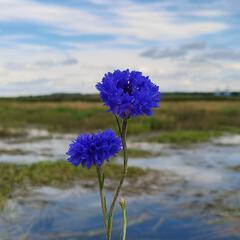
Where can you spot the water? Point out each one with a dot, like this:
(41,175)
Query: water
(38,145)
(75,214)
(205,164)
(203,204)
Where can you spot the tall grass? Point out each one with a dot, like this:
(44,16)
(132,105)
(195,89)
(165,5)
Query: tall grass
(79,116)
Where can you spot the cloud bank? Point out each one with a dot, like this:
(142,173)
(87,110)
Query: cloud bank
(53,46)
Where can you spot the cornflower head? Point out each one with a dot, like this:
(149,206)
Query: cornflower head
(94,149)
(128,93)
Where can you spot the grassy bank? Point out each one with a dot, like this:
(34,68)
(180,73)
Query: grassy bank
(185,136)
(52,174)
(235,168)
(136,153)
(89,116)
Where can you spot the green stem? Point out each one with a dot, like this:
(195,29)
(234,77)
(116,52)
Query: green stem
(125,160)
(118,124)
(102,196)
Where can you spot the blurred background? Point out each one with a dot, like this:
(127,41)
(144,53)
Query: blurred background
(184,175)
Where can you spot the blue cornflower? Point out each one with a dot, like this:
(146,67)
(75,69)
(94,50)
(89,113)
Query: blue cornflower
(128,94)
(93,149)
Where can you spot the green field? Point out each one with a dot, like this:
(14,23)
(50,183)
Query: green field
(79,116)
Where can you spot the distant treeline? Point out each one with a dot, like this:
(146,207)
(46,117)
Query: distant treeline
(56,97)
(171,96)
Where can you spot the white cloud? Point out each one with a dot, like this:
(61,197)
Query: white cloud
(20,68)
(30,68)
(153,22)
(209,13)
(60,18)
(123,18)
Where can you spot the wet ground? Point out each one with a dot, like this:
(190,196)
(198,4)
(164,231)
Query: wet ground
(200,200)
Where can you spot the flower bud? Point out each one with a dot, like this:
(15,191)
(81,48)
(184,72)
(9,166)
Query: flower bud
(122,202)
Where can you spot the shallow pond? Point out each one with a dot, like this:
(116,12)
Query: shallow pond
(204,204)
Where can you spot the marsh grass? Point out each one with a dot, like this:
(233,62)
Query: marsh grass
(56,174)
(11,133)
(185,136)
(136,153)
(235,168)
(82,116)
(12,152)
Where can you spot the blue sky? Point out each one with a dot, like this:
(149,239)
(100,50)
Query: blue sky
(49,46)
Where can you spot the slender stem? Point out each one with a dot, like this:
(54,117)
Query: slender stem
(102,196)
(119,126)
(125,160)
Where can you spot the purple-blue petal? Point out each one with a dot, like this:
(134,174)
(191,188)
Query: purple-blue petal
(128,94)
(94,149)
